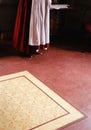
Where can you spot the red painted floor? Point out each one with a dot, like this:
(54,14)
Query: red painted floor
(66,71)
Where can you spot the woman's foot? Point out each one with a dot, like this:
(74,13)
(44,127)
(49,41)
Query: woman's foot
(45,47)
(38,52)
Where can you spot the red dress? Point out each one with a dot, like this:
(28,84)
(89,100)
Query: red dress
(21,29)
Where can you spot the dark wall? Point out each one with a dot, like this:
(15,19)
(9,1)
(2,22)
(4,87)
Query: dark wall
(74,17)
(8,1)
(8,10)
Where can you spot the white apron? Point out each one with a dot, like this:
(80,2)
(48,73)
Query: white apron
(39,30)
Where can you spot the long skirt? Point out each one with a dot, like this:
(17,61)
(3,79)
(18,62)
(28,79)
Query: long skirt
(39,23)
(21,29)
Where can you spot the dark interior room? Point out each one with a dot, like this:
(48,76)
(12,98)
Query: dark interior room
(65,68)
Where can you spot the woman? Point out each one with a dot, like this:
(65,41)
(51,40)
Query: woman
(39,25)
(21,29)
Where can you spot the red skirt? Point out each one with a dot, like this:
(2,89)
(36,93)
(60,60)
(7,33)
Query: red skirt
(21,29)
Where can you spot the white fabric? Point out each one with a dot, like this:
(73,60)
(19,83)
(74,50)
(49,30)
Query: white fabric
(60,6)
(39,31)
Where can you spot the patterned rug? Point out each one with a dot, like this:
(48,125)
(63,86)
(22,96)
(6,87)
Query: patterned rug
(28,104)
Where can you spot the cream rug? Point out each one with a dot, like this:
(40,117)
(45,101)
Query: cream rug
(28,104)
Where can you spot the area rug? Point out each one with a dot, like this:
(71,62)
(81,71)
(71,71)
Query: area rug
(28,104)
